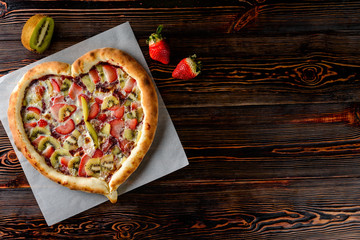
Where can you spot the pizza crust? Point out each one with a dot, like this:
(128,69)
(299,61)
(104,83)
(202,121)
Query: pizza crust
(83,65)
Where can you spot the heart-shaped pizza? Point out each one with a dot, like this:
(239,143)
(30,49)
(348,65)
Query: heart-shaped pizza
(87,125)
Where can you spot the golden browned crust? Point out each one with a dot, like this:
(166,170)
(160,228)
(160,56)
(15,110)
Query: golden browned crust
(83,65)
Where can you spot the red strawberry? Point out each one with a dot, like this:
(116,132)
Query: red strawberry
(98,153)
(48,151)
(94,76)
(132,123)
(118,111)
(102,117)
(34,109)
(30,125)
(187,68)
(74,91)
(64,161)
(84,160)
(98,100)
(67,128)
(158,48)
(55,85)
(42,123)
(37,140)
(110,73)
(129,85)
(58,99)
(117,127)
(94,111)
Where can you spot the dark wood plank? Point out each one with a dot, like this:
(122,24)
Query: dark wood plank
(288,209)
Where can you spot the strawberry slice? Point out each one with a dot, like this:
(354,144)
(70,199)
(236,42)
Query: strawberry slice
(64,161)
(134,105)
(55,85)
(67,128)
(118,111)
(34,109)
(117,127)
(74,91)
(42,123)
(129,85)
(98,100)
(84,160)
(102,117)
(94,111)
(125,146)
(98,153)
(132,123)
(94,76)
(37,140)
(55,110)
(58,99)
(187,68)
(159,49)
(48,151)
(30,125)
(110,73)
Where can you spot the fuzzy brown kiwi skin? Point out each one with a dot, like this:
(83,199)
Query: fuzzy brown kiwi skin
(28,30)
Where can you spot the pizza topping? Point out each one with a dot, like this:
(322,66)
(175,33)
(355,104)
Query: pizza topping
(90,85)
(44,142)
(67,128)
(117,127)
(110,73)
(34,109)
(36,131)
(84,126)
(94,76)
(48,151)
(94,110)
(65,112)
(109,102)
(56,156)
(73,165)
(74,91)
(92,133)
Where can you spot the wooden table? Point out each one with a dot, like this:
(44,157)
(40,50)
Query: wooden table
(270,127)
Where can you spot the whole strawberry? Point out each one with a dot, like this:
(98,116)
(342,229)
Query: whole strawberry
(187,68)
(158,48)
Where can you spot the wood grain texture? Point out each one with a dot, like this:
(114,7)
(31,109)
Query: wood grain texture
(271,127)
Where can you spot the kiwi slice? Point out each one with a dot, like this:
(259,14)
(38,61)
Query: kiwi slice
(109,102)
(107,163)
(55,157)
(106,129)
(65,112)
(70,143)
(100,70)
(73,165)
(31,116)
(36,131)
(116,150)
(93,167)
(65,85)
(88,83)
(37,33)
(129,134)
(48,140)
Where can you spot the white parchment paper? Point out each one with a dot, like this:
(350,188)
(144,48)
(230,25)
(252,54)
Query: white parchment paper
(165,155)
